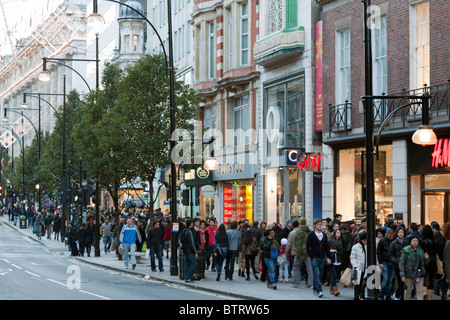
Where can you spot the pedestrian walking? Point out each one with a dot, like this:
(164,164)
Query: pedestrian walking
(189,249)
(283,262)
(358,260)
(439,277)
(106,234)
(318,250)
(57,226)
(446,252)
(128,236)
(386,267)
(413,261)
(221,244)
(71,234)
(48,225)
(336,250)
(271,247)
(296,247)
(167,236)
(234,237)
(249,248)
(88,238)
(155,241)
(39,222)
(395,251)
(212,229)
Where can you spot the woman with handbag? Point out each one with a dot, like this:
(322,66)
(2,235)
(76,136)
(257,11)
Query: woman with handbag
(336,251)
(221,244)
(412,264)
(249,249)
(358,260)
(427,243)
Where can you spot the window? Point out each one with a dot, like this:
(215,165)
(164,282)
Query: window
(275,15)
(127,43)
(343,89)
(241,120)
(210,118)
(211,50)
(244,35)
(284,115)
(230,39)
(135,43)
(421,48)
(380,57)
(379,52)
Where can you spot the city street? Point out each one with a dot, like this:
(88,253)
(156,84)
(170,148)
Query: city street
(31,271)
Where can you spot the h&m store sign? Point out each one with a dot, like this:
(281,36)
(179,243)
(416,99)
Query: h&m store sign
(428,159)
(304,161)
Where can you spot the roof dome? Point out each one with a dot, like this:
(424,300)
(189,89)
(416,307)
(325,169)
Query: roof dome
(127,13)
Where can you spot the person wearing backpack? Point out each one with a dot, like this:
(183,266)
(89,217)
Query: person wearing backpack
(412,264)
(271,247)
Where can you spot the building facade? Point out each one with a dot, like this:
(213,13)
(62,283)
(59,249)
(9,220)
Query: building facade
(285,55)
(226,81)
(409,58)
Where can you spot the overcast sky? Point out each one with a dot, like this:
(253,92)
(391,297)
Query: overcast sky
(21,16)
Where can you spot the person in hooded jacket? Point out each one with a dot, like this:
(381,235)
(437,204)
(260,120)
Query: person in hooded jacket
(395,251)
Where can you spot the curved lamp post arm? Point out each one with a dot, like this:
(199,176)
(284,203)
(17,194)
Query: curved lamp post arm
(65,65)
(57,113)
(145,18)
(425,116)
(34,127)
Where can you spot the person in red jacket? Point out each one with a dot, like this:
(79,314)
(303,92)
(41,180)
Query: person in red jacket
(212,229)
(167,235)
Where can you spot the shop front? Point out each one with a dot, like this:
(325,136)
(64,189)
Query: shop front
(429,182)
(198,202)
(236,185)
(350,181)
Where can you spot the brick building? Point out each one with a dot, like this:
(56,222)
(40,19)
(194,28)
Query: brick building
(410,56)
(225,80)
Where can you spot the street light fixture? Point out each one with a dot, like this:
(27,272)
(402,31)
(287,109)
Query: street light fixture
(424,136)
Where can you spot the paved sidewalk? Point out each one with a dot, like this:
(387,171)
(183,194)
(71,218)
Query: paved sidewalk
(239,288)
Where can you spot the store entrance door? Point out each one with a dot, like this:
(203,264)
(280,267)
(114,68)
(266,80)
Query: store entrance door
(437,207)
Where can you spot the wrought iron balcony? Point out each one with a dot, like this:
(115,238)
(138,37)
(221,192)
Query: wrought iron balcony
(439,105)
(340,117)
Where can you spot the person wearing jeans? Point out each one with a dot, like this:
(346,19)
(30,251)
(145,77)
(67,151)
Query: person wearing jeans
(387,268)
(190,250)
(319,252)
(271,248)
(128,236)
(155,240)
(234,237)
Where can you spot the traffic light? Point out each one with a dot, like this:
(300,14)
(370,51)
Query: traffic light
(185,197)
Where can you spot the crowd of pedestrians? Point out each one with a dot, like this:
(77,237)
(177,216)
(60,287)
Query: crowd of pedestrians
(412,262)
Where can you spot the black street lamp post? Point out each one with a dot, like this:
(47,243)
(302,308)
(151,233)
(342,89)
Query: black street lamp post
(368,99)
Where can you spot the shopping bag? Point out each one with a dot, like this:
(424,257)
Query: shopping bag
(346,280)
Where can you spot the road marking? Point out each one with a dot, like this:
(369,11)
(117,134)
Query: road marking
(54,281)
(96,295)
(33,274)
(16,266)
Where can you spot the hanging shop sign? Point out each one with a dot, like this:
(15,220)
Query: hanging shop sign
(309,162)
(429,159)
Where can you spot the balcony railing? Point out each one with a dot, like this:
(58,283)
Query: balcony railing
(439,105)
(340,115)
